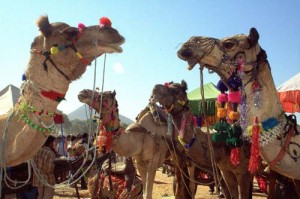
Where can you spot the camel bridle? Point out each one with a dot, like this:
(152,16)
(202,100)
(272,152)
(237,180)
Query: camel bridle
(54,50)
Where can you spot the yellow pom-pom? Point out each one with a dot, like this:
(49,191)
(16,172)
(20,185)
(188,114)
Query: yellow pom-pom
(222,113)
(54,50)
(234,115)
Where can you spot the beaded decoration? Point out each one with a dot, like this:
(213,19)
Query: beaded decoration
(28,108)
(35,126)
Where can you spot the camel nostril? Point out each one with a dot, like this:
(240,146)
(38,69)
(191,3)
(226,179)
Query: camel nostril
(186,53)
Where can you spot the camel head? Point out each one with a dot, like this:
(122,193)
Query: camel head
(95,99)
(61,52)
(171,96)
(223,56)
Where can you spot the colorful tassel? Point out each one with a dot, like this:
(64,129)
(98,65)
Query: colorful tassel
(253,162)
(222,113)
(222,87)
(234,97)
(222,98)
(235,156)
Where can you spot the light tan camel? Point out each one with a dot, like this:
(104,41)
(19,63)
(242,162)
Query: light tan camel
(241,57)
(58,56)
(173,98)
(148,147)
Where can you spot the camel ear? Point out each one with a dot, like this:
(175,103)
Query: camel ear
(253,37)
(44,26)
(184,85)
(114,93)
(70,33)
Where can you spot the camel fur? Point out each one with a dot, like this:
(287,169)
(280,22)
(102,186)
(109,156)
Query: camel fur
(25,129)
(173,97)
(149,149)
(223,56)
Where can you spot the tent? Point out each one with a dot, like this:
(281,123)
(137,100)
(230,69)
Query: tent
(8,98)
(210,95)
(289,94)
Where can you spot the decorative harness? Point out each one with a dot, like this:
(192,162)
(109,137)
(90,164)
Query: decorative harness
(271,128)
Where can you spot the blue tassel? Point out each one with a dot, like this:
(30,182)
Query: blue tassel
(23,77)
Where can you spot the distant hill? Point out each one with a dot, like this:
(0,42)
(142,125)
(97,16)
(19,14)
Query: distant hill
(83,112)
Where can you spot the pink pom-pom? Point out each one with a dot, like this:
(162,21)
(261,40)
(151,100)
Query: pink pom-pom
(234,96)
(104,21)
(81,26)
(222,98)
(166,84)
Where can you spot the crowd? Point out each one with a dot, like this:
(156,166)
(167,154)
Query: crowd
(67,147)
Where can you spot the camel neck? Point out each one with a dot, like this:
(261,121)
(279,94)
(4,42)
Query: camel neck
(267,97)
(111,121)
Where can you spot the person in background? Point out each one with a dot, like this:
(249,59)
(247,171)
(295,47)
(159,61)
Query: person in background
(71,155)
(61,145)
(44,160)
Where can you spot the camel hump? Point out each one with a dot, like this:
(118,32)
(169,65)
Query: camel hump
(135,127)
(155,127)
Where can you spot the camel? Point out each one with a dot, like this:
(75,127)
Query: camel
(58,56)
(148,148)
(173,97)
(240,58)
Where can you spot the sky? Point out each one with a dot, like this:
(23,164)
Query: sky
(154,32)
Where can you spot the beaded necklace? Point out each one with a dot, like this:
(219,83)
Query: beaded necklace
(24,108)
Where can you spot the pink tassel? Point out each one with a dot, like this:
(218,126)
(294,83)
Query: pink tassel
(234,97)
(222,98)
(235,156)
(254,158)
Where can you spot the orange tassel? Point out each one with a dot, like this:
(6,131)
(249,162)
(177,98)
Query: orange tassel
(235,156)
(104,139)
(254,158)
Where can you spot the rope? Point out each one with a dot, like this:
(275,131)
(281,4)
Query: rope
(174,155)
(210,146)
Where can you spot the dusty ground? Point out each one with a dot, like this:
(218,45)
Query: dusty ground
(162,190)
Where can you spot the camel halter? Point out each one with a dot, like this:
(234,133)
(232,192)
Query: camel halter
(55,49)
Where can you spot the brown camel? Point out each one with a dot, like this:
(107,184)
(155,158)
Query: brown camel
(58,56)
(173,98)
(240,59)
(149,148)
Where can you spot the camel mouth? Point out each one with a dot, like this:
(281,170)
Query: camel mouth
(192,63)
(82,97)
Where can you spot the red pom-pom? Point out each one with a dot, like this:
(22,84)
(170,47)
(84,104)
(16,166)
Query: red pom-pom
(234,96)
(166,84)
(222,98)
(104,21)
(81,26)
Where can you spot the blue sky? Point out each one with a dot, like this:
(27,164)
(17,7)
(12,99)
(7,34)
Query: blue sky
(154,31)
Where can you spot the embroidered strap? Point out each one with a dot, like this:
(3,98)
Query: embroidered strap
(283,149)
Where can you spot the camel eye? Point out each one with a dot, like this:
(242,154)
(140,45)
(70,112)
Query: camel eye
(229,44)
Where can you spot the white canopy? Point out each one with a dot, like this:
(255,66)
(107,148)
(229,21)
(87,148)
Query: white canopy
(8,98)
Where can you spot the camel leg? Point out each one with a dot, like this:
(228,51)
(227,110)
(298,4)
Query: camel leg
(142,168)
(272,185)
(244,185)
(231,183)
(181,172)
(297,187)
(192,185)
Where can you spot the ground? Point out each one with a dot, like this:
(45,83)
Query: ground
(162,190)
